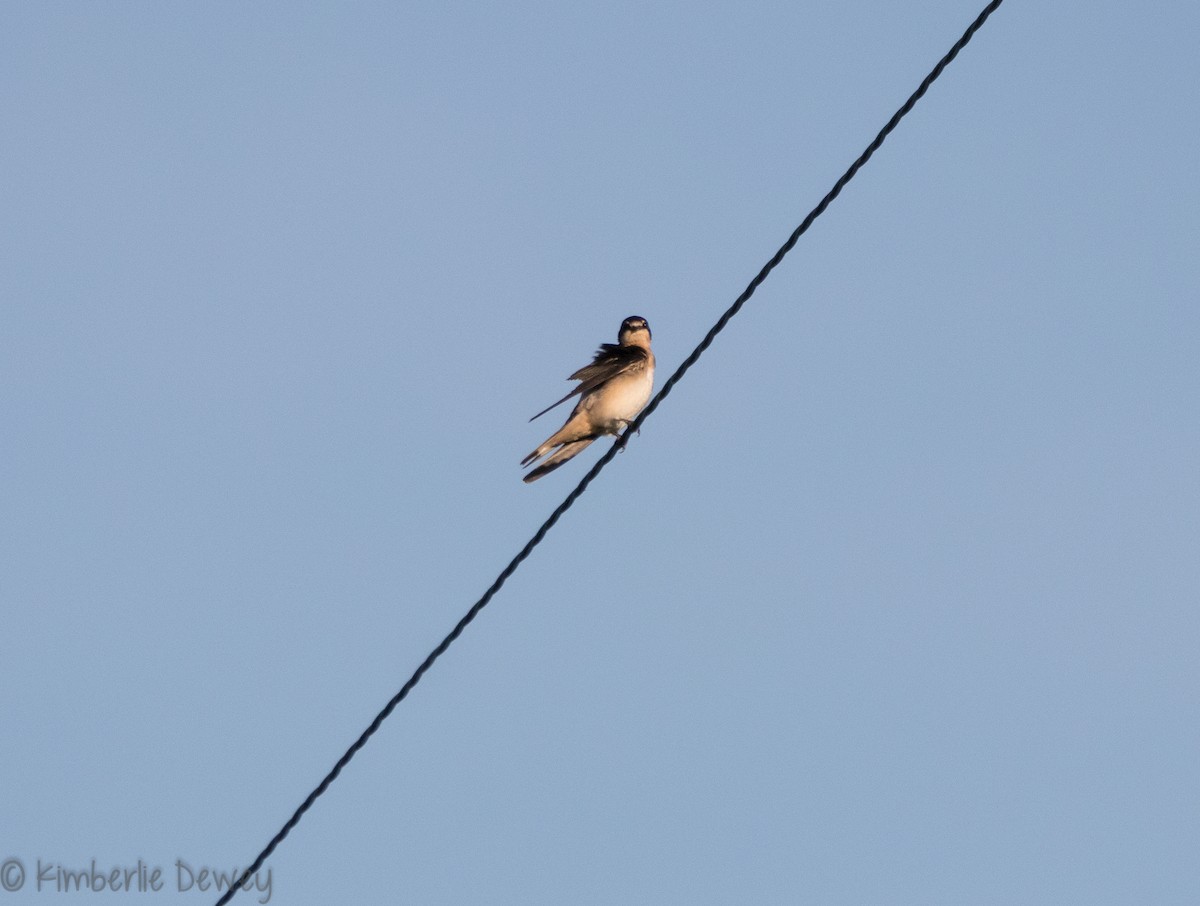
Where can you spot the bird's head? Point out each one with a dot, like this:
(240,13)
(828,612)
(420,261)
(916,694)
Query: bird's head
(634,332)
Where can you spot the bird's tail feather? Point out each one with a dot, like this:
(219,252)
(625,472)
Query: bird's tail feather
(564,453)
(541,451)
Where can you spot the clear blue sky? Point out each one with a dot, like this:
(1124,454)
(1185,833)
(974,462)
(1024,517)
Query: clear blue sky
(895,598)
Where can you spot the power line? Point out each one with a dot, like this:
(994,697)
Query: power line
(612,451)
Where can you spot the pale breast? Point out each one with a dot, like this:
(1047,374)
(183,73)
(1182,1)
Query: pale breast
(620,400)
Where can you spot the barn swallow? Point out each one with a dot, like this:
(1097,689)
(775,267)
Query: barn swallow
(612,391)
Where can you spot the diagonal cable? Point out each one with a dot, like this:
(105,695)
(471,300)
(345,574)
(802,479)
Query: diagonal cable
(612,451)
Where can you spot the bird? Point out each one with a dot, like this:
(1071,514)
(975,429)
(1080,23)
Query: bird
(612,390)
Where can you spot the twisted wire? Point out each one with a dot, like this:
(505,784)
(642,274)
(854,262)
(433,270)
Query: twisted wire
(612,451)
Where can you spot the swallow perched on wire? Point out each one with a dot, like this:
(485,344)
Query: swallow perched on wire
(612,391)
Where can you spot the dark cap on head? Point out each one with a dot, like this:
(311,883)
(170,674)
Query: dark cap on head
(634,322)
